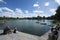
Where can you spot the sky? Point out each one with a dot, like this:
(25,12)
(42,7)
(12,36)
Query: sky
(28,8)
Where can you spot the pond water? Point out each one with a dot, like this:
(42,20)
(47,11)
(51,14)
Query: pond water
(28,26)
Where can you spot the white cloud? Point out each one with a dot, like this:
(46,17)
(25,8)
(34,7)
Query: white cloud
(4,11)
(57,1)
(47,4)
(36,5)
(18,11)
(53,11)
(3,1)
(38,11)
(42,14)
(26,11)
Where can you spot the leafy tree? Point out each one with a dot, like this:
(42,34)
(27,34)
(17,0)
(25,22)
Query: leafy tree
(39,17)
(43,17)
(57,15)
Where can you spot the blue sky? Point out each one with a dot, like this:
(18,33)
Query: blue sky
(28,8)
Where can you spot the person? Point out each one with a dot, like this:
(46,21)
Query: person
(57,27)
(51,36)
(15,30)
(7,30)
(54,34)
(52,29)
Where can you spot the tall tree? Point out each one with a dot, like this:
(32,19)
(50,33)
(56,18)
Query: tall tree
(57,15)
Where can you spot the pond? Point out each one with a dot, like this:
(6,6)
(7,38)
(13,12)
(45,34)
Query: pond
(33,27)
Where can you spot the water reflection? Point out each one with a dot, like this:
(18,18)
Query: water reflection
(41,22)
(29,26)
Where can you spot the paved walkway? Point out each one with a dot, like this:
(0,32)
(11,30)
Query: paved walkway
(58,35)
(23,36)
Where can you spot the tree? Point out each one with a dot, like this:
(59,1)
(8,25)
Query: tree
(43,17)
(57,15)
(17,17)
(3,16)
(39,17)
